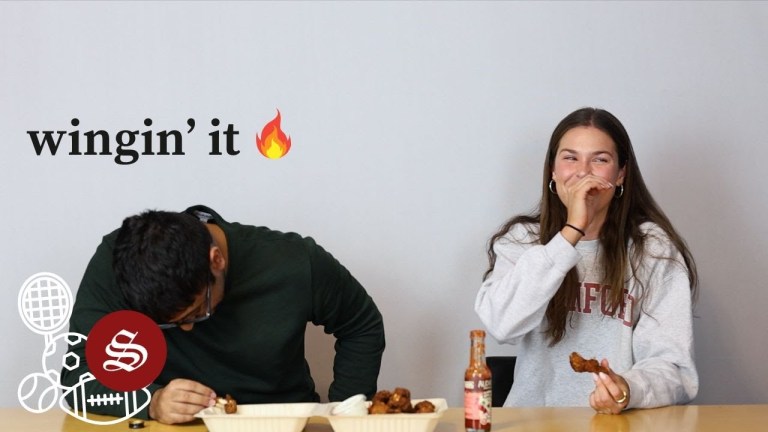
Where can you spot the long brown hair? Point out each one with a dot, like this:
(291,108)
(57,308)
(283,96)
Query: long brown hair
(626,213)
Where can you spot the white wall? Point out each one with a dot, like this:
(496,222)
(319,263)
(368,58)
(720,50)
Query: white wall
(417,129)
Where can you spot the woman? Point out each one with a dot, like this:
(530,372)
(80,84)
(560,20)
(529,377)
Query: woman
(597,270)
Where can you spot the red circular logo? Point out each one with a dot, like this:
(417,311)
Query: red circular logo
(125,350)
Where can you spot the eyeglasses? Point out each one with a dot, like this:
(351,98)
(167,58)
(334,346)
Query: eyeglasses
(193,320)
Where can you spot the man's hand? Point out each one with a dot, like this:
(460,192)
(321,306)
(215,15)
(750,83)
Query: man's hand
(179,401)
(611,393)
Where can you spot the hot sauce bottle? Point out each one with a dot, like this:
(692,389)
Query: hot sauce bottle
(477,386)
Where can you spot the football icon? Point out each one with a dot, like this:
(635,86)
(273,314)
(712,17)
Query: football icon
(133,402)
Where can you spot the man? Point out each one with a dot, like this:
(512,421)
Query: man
(233,301)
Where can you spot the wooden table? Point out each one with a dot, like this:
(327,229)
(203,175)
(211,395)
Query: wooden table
(702,418)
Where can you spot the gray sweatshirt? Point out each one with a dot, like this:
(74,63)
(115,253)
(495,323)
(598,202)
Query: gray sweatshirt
(649,341)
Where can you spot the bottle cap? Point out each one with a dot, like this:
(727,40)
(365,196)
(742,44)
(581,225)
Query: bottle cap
(136,424)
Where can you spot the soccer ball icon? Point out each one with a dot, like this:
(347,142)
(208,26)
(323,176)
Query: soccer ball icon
(56,356)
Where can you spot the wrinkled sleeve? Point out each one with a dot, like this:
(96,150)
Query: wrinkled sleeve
(343,307)
(664,371)
(513,299)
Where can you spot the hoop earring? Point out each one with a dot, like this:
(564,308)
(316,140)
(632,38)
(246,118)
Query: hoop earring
(551,188)
(621,192)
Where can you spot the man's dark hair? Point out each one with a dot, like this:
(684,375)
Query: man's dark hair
(161,262)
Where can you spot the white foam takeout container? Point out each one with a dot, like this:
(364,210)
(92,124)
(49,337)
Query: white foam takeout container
(389,422)
(293,417)
(285,417)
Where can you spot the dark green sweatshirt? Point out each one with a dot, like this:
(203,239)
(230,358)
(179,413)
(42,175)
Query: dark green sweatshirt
(252,347)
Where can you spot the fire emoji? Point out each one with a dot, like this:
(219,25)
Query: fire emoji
(273,142)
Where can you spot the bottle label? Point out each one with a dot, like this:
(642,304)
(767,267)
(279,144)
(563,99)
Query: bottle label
(477,401)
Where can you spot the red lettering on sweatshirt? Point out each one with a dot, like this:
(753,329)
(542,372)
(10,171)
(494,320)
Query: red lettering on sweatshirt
(596,298)
(586,290)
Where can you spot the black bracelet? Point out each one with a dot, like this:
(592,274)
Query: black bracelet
(577,229)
